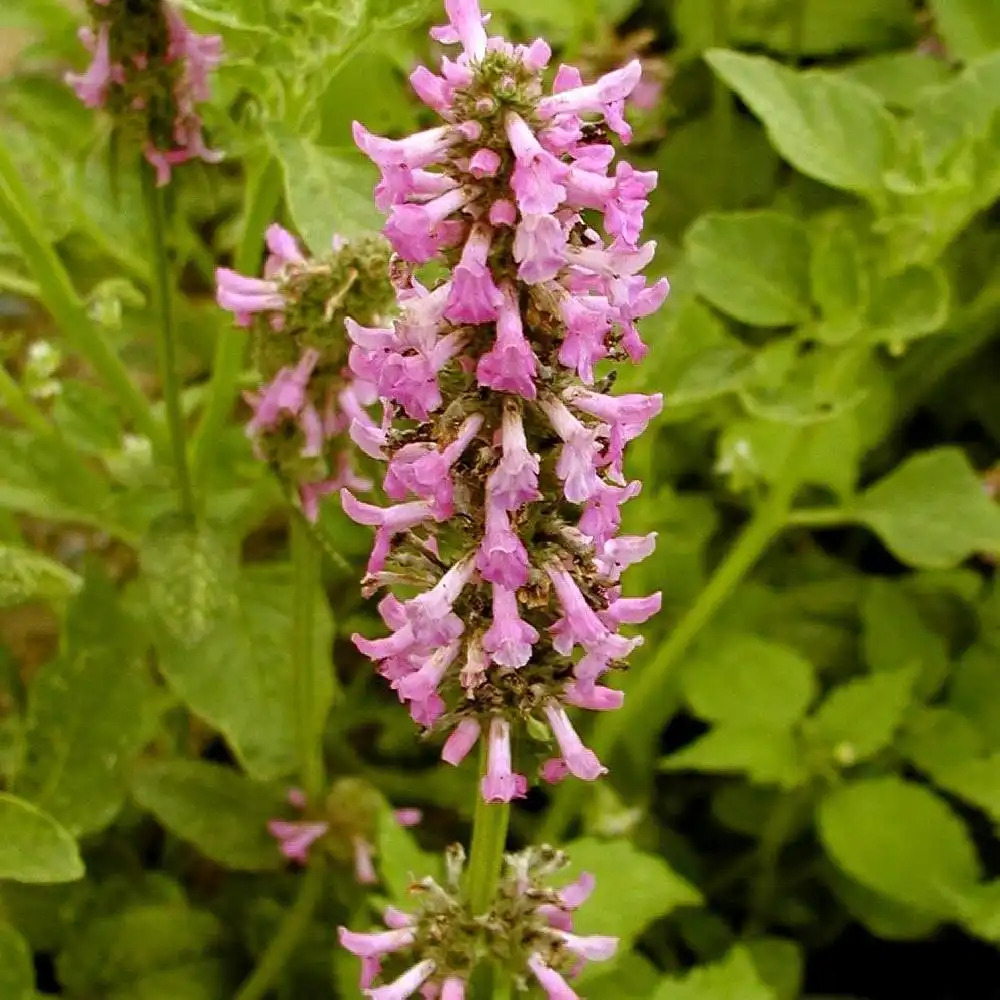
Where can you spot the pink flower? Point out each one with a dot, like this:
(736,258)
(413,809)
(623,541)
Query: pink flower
(453,989)
(92,86)
(510,365)
(389,521)
(579,623)
(500,783)
(295,838)
(509,640)
(556,988)
(465,26)
(244,296)
(580,760)
(474,296)
(461,741)
(539,248)
(514,481)
(605,97)
(537,177)
(417,232)
(501,557)
(577,464)
(484,163)
(406,985)
(364,863)
(377,944)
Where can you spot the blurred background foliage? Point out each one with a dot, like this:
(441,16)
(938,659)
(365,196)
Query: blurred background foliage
(805,780)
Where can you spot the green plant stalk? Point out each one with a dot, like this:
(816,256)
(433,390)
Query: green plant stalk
(305,581)
(489,838)
(21,407)
(285,941)
(57,293)
(166,340)
(262,198)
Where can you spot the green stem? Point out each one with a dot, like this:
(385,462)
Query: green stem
(56,290)
(163,295)
(819,517)
(306,575)
(284,943)
(489,838)
(262,197)
(17,402)
(11,281)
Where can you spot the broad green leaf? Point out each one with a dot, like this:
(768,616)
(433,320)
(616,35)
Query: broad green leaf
(215,808)
(932,510)
(975,781)
(735,977)
(748,681)
(34,847)
(898,77)
(328,191)
(883,917)
(937,738)
(900,840)
(400,858)
(753,266)
(27,576)
(970,28)
(911,304)
(975,690)
(839,280)
(860,718)
(17,970)
(630,975)
(767,756)
(832,129)
(632,890)
(90,712)
(779,965)
(240,677)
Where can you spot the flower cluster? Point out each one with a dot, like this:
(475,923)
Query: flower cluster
(343,828)
(504,447)
(296,312)
(150,71)
(527,931)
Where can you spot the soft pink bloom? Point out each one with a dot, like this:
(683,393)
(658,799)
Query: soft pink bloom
(484,163)
(295,838)
(244,296)
(408,816)
(539,246)
(514,481)
(465,27)
(556,988)
(461,741)
(501,557)
(501,784)
(577,462)
(474,296)
(92,86)
(364,862)
(375,944)
(389,521)
(580,760)
(453,989)
(579,623)
(406,985)
(509,640)
(592,948)
(537,177)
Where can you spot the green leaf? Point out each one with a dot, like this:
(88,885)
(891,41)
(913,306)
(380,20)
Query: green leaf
(215,808)
(767,756)
(970,28)
(830,128)
(240,676)
(898,77)
(932,510)
(90,712)
(883,917)
(735,977)
(753,266)
(401,859)
(936,738)
(27,576)
(911,304)
(632,890)
(860,718)
(839,280)
(748,681)
(975,690)
(17,971)
(329,191)
(901,841)
(34,847)
(630,975)
(975,781)
(779,964)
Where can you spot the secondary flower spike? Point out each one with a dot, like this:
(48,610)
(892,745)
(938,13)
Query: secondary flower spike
(150,71)
(504,443)
(309,396)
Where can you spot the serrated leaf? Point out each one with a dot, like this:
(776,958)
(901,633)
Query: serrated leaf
(26,576)
(754,266)
(970,28)
(632,890)
(34,846)
(215,808)
(860,718)
(748,681)
(329,191)
(900,840)
(240,676)
(932,510)
(735,977)
(830,128)
(767,756)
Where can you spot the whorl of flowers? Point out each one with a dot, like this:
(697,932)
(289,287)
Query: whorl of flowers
(150,71)
(504,447)
(527,931)
(342,826)
(309,397)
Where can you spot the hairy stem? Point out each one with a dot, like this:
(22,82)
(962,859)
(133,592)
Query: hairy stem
(56,291)
(489,837)
(262,195)
(305,573)
(285,941)
(166,343)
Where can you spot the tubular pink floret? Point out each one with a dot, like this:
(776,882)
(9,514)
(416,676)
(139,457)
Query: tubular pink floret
(461,741)
(406,985)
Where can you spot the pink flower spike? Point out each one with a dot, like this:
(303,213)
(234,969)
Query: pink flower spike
(556,988)
(592,948)
(364,862)
(461,741)
(296,838)
(406,985)
(514,481)
(581,761)
(538,174)
(510,365)
(419,686)
(539,248)
(375,944)
(474,296)
(408,817)
(501,557)
(577,462)
(509,640)
(500,783)
(416,232)
(453,989)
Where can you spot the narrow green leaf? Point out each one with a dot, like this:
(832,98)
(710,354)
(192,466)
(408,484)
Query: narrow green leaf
(33,846)
(827,126)
(932,510)
(754,266)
